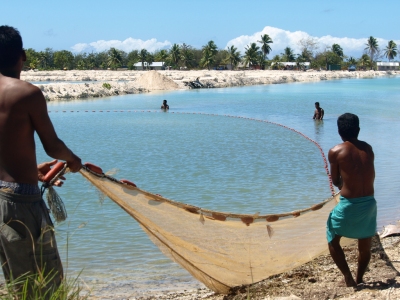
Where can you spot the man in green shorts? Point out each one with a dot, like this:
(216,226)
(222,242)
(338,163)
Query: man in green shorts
(353,172)
(27,243)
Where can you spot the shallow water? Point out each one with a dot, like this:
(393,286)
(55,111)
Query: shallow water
(217,162)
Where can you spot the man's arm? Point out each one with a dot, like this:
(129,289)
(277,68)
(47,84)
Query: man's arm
(322,114)
(42,124)
(335,169)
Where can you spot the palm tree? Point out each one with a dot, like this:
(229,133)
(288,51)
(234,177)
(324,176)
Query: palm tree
(174,54)
(276,62)
(364,61)
(114,58)
(149,60)
(142,56)
(161,55)
(337,50)
(265,41)
(372,47)
(251,54)
(352,60)
(288,54)
(209,52)
(391,50)
(187,56)
(233,56)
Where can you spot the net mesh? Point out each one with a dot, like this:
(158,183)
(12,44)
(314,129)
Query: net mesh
(222,250)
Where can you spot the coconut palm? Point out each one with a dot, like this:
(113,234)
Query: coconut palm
(233,56)
(161,55)
(265,41)
(251,54)
(288,54)
(209,52)
(372,47)
(174,54)
(364,61)
(391,50)
(149,60)
(63,59)
(187,56)
(337,50)
(114,58)
(142,56)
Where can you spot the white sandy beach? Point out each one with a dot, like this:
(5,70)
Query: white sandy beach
(56,85)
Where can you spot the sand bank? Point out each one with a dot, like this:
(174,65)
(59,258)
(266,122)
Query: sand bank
(56,85)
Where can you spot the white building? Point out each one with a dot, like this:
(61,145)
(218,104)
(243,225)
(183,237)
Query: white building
(387,66)
(293,65)
(156,65)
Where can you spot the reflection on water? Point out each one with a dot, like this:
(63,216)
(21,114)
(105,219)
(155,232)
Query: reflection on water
(217,162)
(319,129)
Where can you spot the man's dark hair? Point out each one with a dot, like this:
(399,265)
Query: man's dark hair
(317,103)
(348,125)
(10,46)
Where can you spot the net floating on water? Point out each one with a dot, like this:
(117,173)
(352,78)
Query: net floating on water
(222,250)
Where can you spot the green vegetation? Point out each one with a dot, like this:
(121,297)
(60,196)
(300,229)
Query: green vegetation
(38,286)
(391,50)
(107,86)
(183,56)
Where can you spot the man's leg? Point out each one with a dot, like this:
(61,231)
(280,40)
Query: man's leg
(364,255)
(340,260)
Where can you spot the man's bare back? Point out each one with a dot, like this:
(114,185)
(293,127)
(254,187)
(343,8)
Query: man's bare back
(23,111)
(352,168)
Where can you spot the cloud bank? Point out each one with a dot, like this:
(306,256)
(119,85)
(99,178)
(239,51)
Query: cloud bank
(283,38)
(127,45)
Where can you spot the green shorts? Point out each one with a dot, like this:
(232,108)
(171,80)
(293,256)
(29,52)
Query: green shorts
(27,241)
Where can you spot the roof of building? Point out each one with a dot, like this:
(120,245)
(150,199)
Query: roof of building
(387,64)
(153,64)
(291,63)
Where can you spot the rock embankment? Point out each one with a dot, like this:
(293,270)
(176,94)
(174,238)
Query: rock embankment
(64,85)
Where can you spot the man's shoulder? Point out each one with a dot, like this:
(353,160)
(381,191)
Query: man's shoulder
(19,89)
(337,149)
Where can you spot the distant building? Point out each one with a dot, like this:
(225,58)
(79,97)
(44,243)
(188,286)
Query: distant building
(291,65)
(387,66)
(156,65)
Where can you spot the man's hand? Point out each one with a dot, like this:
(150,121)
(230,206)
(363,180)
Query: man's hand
(75,164)
(44,168)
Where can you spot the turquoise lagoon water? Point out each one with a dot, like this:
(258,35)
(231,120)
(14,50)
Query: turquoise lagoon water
(213,161)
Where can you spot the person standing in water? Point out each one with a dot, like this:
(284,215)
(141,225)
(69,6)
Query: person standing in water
(165,106)
(318,113)
(353,172)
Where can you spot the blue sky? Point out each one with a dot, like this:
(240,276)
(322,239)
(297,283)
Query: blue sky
(88,25)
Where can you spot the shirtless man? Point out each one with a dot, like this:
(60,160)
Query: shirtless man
(318,113)
(164,105)
(353,172)
(27,242)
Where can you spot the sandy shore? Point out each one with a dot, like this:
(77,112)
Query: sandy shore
(89,84)
(318,279)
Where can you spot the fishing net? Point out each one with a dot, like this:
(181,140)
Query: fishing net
(222,250)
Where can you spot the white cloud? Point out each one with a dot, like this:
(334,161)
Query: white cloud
(283,38)
(127,45)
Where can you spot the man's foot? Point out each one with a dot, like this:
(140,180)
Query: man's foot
(350,281)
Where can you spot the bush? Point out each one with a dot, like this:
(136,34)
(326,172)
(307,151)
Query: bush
(106,85)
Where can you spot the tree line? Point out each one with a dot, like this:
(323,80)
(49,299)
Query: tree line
(210,57)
